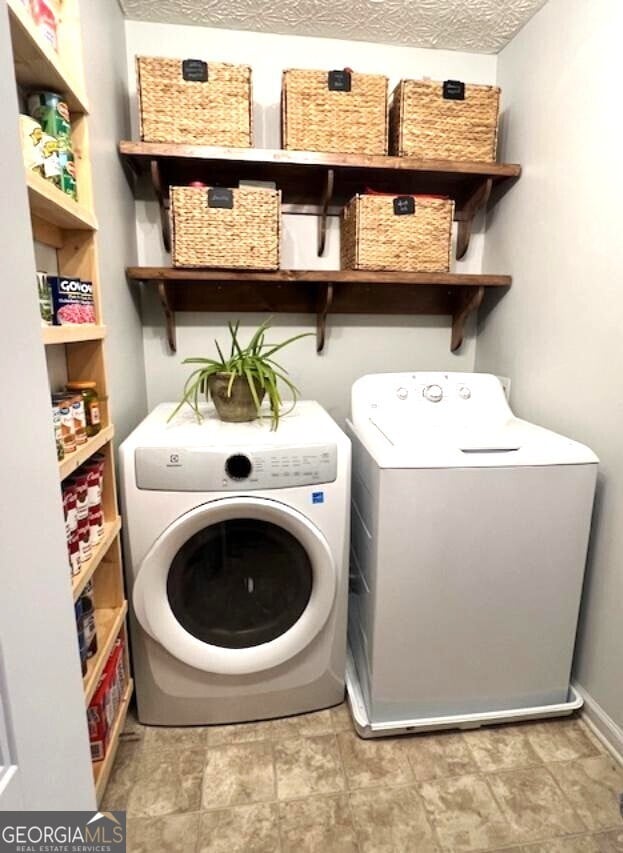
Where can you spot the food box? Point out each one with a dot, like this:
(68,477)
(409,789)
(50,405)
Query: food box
(72,301)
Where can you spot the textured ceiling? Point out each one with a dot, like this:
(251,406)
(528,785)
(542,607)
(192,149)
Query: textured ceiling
(481,26)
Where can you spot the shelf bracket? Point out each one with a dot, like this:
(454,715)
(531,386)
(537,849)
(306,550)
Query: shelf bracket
(164,203)
(327,195)
(466,213)
(324,306)
(169,315)
(468,300)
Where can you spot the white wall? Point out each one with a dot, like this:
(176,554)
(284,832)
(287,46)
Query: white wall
(103,38)
(355,345)
(39,661)
(558,332)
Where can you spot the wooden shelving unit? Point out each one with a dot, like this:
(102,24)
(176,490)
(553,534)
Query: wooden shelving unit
(316,183)
(319,184)
(70,228)
(319,292)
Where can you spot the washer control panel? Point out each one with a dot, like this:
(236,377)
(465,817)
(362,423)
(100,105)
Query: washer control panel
(199,469)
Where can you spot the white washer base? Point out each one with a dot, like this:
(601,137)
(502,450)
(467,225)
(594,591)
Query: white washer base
(367,728)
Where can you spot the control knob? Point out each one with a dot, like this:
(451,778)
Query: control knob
(402,393)
(434,393)
(238,466)
(464,392)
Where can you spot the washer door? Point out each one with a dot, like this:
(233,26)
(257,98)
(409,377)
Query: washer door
(236,586)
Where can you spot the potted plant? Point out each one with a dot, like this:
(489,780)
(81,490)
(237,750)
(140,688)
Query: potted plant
(238,384)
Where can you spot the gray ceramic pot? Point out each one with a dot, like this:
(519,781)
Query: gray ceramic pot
(239,406)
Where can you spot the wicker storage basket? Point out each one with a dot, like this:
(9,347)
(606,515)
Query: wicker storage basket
(194,102)
(444,121)
(401,233)
(233,229)
(337,111)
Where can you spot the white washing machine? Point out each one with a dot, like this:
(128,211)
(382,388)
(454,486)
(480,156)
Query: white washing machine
(236,542)
(469,537)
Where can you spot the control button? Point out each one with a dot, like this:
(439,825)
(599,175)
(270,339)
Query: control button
(402,393)
(464,392)
(434,393)
(238,466)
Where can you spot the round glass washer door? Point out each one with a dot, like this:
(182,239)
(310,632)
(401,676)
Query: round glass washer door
(236,586)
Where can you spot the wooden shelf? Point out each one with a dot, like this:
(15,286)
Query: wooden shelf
(55,207)
(79,581)
(74,460)
(317,183)
(102,769)
(109,623)
(72,334)
(37,64)
(319,292)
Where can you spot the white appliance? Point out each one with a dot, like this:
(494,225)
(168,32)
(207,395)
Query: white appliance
(469,538)
(236,543)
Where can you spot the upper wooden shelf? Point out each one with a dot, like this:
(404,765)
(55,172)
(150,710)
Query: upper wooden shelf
(319,292)
(37,64)
(318,183)
(56,207)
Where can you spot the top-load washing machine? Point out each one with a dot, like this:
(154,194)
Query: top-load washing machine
(236,543)
(469,537)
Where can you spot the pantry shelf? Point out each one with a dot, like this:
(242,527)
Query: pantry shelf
(74,460)
(102,769)
(78,583)
(72,334)
(319,183)
(37,64)
(55,207)
(109,623)
(319,292)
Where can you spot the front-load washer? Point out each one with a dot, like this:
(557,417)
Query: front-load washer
(236,541)
(469,539)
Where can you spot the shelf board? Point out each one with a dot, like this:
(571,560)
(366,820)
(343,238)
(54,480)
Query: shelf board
(102,769)
(79,581)
(72,334)
(74,460)
(302,168)
(172,275)
(37,64)
(55,207)
(319,292)
(109,623)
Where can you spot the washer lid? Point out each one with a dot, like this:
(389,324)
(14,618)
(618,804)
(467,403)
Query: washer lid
(236,586)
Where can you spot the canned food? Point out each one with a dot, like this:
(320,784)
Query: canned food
(52,113)
(90,397)
(45,299)
(68,436)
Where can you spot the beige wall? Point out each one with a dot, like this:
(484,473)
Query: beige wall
(558,332)
(355,345)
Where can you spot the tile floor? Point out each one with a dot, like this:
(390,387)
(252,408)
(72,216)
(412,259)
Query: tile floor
(309,783)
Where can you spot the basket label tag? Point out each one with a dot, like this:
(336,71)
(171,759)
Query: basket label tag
(195,70)
(404,205)
(339,81)
(220,197)
(454,90)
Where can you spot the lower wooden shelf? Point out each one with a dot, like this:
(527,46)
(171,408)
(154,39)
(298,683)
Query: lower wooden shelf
(319,292)
(79,581)
(74,460)
(102,769)
(108,623)
(72,334)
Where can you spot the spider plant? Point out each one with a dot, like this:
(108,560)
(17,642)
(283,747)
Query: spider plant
(253,364)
